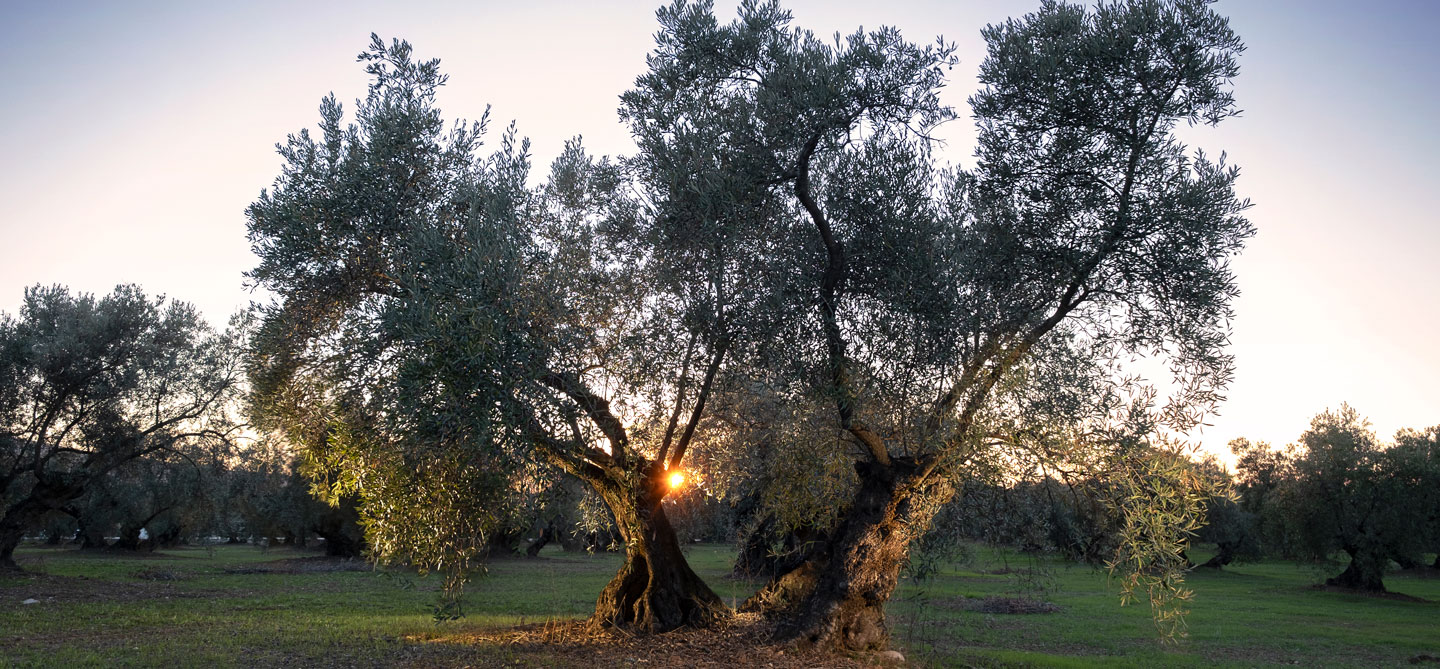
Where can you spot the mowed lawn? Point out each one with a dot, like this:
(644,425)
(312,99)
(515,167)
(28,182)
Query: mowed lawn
(242,606)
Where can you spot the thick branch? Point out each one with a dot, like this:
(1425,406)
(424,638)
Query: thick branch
(829,286)
(594,406)
(720,348)
(679,398)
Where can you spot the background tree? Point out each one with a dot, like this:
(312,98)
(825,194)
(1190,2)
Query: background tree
(913,293)
(162,494)
(1349,493)
(88,385)
(1260,471)
(1417,462)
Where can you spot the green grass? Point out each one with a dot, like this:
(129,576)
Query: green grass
(100,609)
(1261,614)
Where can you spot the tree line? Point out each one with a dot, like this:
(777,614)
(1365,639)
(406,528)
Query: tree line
(1338,497)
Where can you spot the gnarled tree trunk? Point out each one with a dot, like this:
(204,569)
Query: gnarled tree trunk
(1226,555)
(22,515)
(836,599)
(655,589)
(1365,572)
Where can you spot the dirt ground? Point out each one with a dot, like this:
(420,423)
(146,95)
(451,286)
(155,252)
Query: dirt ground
(732,644)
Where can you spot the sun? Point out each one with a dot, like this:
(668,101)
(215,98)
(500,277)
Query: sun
(676,480)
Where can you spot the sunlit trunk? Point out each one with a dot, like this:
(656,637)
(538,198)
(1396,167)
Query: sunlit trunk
(836,599)
(655,589)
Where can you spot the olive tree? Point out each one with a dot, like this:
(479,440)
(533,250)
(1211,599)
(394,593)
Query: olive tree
(161,493)
(1348,492)
(447,342)
(89,385)
(914,294)
(1417,460)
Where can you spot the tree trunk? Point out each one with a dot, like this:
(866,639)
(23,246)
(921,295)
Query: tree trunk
(1366,571)
(10,535)
(758,557)
(91,536)
(655,589)
(546,534)
(129,539)
(23,515)
(340,527)
(1225,556)
(836,599)
(171,537)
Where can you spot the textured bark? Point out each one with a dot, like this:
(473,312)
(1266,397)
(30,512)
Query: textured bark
(836,599)
(655,589)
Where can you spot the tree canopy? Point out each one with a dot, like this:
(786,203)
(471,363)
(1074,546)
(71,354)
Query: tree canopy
(782,261)
(88,385)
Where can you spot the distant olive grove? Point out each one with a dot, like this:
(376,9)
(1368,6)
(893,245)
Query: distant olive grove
(1338,497)
(138,401)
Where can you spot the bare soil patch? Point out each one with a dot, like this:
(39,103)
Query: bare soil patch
(737,642)
(1000,605)
(304,565)
(47,588)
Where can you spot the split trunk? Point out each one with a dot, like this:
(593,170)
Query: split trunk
(836,599)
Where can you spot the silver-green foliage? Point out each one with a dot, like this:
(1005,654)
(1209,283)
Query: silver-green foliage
(930,307)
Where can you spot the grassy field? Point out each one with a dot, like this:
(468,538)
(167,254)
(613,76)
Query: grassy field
(242,606)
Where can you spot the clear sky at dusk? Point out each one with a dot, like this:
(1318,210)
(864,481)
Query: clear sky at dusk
(133,135)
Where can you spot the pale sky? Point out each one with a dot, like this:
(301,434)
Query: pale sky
(133,135)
